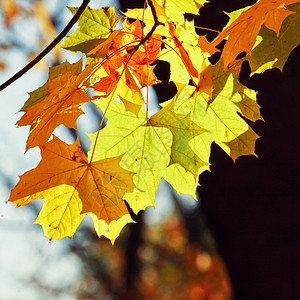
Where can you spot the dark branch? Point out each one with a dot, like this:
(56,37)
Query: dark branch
(48,48)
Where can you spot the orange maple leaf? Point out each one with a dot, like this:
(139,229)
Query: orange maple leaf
(120,84)
(126,66)
(244,30)
(127,87)
(144,74)
(146,53)
(73,187)
(119,50)
(61,106)
(107,84)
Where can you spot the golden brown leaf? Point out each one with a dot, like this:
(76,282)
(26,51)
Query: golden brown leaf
(61,106)
(243,31)
(73,187)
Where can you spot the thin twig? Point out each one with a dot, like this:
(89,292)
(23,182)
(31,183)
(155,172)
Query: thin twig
(149,34)
(48,48)
(205,28)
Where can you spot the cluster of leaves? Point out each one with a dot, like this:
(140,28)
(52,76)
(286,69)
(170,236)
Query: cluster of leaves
(134,151)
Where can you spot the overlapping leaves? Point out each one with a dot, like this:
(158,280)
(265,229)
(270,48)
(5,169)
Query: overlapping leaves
(134,151)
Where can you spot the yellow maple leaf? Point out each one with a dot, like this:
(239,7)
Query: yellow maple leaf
(175,9)
(73,187)
(187,60)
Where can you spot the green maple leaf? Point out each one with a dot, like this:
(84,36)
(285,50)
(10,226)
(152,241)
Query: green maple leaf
(184,130)
(219,114)
(272,51)
(220,118)
(95,26)
(148,157)
(146,151)
(189,152)
(227,87)
(167,145)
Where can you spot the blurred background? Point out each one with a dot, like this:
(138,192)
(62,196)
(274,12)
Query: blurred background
(169,253)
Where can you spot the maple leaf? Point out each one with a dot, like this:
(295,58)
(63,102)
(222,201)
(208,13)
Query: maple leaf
(174,10)
(120,84)
(227,87)
(146,150)
(95,26)
(189,144)
(144,74)
(272,51)
(246,23)
(60,106)
(182,51)
(72,187)
(163,146)
(184,130)
(220,118)
(127,72)
(124,48)
(41,93)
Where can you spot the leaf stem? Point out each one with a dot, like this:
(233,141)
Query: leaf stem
(105,111)
(48,48)
(208,29)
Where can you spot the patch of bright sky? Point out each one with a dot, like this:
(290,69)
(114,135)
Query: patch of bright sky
(26,257)
(24,252)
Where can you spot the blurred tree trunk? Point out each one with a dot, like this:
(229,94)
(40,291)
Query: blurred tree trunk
(253,206)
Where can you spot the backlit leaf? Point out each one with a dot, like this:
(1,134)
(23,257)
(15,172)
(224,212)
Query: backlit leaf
(95,25)
(72,188)
(146,150)
(134,149)
(60,106)
(272,51)
(242,32)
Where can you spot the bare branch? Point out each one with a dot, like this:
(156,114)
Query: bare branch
(48,48)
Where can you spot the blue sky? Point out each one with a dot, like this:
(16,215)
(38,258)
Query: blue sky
(25,253)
